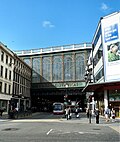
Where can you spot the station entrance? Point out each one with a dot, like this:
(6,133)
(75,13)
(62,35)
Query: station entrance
(43,99)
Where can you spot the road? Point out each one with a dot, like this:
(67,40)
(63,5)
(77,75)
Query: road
(46,127)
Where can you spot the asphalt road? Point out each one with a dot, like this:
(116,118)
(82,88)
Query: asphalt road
(45,127)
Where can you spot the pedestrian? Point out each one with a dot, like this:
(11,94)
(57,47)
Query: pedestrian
(97,115)
(107,114)
(87,112)
(113,115)
(67,112)
(77,112)
(16,112)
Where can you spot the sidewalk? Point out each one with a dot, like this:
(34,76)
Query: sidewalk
(102,122)
(20,115)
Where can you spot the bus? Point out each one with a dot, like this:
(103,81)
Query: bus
(58,108)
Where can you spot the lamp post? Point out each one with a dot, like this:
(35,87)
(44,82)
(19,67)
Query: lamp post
(66,86)
(90,109)
(66,96)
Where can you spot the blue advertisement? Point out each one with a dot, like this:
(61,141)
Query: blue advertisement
(111,33)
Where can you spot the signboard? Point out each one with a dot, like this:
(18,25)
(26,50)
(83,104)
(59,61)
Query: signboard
(111,32)
(111,46)
(114,97)
(58,85)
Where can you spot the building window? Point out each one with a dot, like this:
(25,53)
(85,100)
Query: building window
(10,64)
(68,68)
(0,86)
(9,75)
(97,36)
(1,72)
(2,56)
(6,73)
(98,55)
(9,89)
(99,75)
(27,61)
(57,68)
(80,66)
(6,59)
(5,89)
(36,68)
(46,69)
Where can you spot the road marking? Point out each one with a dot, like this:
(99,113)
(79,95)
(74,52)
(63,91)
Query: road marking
(61,132)
(49,131)
(36,120)
(116,128)
(81,132)
(88,133)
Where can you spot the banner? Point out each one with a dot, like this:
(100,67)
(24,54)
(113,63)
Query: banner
(110,26)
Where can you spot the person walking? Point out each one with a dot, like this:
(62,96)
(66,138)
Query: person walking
(113,115)
(87,112)
(77,112)
(68,111)
(107,114)
(97,115)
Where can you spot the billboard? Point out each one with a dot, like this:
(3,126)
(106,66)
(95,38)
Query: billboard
(110,27)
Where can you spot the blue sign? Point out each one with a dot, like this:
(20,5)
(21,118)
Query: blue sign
(111,33)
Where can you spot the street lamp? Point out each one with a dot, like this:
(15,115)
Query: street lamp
(66,96)
(66,86)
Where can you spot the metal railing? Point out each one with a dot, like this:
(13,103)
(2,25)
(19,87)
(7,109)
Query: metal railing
(54,49)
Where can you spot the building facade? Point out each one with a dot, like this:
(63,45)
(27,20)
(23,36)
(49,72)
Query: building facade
(6,76)
(15,80)
(104,63)
(57,71)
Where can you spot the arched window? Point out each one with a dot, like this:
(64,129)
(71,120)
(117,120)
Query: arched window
(80,66)
(36,70)
(57,68)
(27,61)
(68,68)
(36,65)
(46,70)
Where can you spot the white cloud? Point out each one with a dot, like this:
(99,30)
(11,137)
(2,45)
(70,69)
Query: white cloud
(104,7)
(47,24)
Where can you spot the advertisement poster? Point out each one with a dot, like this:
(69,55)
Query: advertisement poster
(111,47)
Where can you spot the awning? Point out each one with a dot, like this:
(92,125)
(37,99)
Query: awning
(91,87)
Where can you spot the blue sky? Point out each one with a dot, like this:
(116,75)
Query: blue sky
(31,24)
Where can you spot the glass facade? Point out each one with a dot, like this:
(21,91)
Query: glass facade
(36,69)
(46,69)
(57,71)
(57,68)
(80,66)
(61,67)
(68,68)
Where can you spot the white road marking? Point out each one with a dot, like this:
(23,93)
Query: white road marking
(88,133)
(49,131)
(81,132)
(36,120)
(61,132)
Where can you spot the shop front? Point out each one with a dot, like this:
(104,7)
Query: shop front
(106,95)
(114,101)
